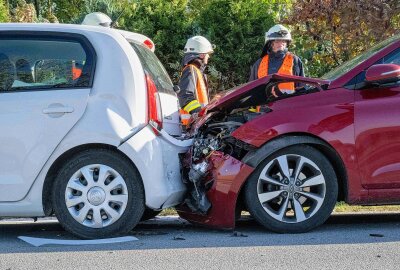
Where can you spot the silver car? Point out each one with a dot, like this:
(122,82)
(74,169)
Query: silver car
(89,128)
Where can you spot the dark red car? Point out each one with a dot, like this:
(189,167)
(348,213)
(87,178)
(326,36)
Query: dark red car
(334,139)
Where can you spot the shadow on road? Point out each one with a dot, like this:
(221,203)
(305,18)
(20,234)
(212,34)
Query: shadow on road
(172,233)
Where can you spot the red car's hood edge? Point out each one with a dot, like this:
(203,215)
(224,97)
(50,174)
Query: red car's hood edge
(250,89)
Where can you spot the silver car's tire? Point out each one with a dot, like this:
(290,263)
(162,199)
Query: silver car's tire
(292,191)
(98,193)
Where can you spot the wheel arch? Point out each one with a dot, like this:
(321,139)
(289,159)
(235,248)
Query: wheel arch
(58,163)
(255,157)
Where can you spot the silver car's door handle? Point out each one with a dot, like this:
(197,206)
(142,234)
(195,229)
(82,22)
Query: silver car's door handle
(51,110)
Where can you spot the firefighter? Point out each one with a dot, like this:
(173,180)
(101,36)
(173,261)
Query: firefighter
(193,94)
(276,58)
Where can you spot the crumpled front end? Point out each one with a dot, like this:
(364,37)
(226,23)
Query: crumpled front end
(213,170)
(221,188)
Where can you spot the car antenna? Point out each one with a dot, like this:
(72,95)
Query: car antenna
(114,23)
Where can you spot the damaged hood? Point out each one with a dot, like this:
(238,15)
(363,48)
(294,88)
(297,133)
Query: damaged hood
(253,93)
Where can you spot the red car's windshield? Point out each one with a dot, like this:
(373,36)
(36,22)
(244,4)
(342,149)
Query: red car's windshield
(335,73)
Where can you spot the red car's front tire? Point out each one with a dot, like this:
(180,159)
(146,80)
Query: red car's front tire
(293,190)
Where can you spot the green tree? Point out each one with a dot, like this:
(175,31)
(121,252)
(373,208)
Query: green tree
(4,15)
(32,11)
(74,11)
(237,29)
(68,11)
(24,12)
(167,23)
(329,32)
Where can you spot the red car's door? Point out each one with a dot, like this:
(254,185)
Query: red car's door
(377,133)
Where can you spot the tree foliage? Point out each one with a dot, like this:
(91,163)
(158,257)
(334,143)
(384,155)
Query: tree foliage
(75,13)
(326,32)
(237,29)
(26,11)
(167,23)
(68,11)
(4,14)
(329,32)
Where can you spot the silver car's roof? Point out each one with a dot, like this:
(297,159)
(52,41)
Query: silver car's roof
(73,28)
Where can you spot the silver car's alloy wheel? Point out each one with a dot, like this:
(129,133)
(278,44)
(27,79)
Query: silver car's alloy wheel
(96,196)
(291,188)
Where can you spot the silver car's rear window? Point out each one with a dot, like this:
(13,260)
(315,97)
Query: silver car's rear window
(153,66)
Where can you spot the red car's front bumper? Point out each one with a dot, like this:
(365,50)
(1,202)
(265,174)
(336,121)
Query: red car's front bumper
(229,175)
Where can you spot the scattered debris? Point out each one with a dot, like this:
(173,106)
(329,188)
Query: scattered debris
(238,234)
(376,235)
(178,238)
(151,232)
(37,242)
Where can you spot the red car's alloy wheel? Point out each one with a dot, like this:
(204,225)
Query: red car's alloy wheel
(286,184)
(293,190)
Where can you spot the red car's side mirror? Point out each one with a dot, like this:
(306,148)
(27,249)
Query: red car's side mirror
(383,73)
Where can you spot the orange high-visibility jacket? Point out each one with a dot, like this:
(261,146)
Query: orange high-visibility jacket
(76,72)
(285,69)
(200,95)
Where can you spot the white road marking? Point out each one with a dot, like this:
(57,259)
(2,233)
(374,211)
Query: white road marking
(37,242)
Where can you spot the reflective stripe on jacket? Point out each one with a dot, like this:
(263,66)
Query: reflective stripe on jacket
(185,112)
(185,117)
(285,69)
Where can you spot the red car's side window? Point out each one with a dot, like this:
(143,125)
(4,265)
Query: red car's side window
(391,58)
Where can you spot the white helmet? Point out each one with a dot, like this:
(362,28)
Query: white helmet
(198,44)
(278,32)
(97,19)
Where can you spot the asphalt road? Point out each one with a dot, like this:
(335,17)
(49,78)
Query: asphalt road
(367,241)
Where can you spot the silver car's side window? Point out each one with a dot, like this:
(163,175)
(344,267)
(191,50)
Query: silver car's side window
(33,63)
